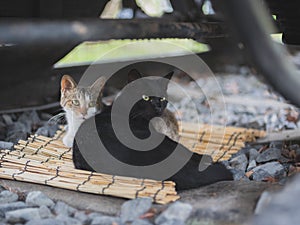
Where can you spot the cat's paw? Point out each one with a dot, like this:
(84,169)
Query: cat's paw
(68,141)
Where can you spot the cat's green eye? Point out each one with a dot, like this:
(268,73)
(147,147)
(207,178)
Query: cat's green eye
(163,99)
(92,104)
(75,102)
(145,97)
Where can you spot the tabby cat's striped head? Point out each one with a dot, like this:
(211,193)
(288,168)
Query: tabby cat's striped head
(81,102)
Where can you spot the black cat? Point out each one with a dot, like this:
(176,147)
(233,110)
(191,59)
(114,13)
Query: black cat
(146,108)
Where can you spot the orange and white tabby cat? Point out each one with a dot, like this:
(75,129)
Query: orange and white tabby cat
(79,103)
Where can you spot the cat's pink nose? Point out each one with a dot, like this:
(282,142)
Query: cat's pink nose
(83,112)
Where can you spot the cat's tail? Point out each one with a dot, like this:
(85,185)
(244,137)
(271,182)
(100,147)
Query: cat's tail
(193,175)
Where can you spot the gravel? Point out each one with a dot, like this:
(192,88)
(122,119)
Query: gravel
(253,153)
(250,103)
(22,215)
(133,209)
(173,222)
(269,155)
(15,127)
(16,131)
(37,198)
(177,211)
(68,220)
(6,145)
(105,220)
(62,208)
(47,130)
(141,222)
(7,119)
(82,217)
(239,162)
(11,206)
(252,164)
(45,222)
(8,197)
(93,215)
(45,212)
(271,169)
(38,209)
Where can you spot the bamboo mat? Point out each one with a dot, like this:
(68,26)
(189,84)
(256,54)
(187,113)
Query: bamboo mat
(47,161)
(217,141)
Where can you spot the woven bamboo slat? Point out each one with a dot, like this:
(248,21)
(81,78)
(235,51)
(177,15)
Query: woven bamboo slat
(47,161)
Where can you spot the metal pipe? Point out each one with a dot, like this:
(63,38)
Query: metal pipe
(52,32)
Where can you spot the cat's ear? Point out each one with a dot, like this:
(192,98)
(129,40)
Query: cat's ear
(169,75)
(133,75)
(67,83)
(98,84)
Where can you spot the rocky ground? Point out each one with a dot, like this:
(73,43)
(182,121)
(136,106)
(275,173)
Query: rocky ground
(256,168)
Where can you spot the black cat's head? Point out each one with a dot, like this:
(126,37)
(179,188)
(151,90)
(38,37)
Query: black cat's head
(150,106)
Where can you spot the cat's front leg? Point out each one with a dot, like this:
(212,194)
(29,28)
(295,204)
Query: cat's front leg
(68,140)
(65,128)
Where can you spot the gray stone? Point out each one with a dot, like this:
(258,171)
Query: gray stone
(7,197)
(38,198)
(68,220)
(271,169)
(62,208)
(173,222)
(239,162)
(141,222)
(269,155)
(93,215)
(176,211)
(253,153)
(11,206)
(22,215)
(82,217)
(16,131)
(252,164)
(133,209)
(243,151)
(7,119)
(45,212)
(6,145)
(238,174)
(276,144)
(47,130)
(30,119)
(45,222)
(105,220)
(284,160)
(283,208)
